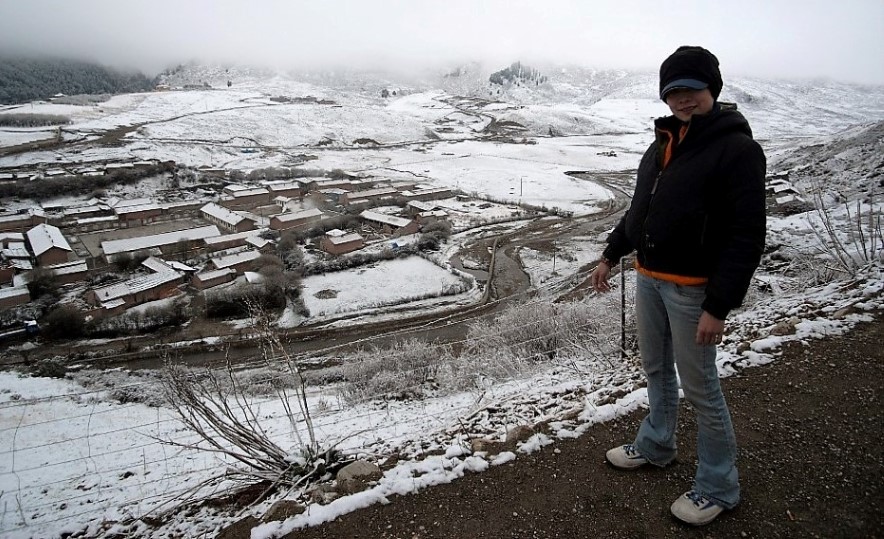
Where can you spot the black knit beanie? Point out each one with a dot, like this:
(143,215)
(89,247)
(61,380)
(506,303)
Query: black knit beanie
(690,67)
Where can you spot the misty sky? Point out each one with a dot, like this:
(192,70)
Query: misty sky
(842,40)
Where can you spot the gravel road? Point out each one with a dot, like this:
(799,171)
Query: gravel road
(809,426)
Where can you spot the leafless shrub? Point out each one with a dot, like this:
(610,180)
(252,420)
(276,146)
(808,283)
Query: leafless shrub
(852,239)
(49,368)
(511,344)
(216,406)
(403,370)
(536,331)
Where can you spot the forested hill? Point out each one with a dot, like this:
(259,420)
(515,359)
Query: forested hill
(27,79)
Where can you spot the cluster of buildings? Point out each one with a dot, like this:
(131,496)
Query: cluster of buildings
(237,231)
(38,172)
(783,197)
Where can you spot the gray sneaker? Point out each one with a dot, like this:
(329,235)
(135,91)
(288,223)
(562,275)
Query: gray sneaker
(625,457)
(695,509)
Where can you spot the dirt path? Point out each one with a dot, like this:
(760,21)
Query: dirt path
(809,427)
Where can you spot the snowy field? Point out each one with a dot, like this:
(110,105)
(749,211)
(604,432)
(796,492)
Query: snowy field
(81,457)
(14,137)
(388,283)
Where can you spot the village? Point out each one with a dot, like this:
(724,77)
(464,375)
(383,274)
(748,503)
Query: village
(104,255)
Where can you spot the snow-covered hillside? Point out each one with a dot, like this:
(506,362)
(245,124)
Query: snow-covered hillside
(84,454)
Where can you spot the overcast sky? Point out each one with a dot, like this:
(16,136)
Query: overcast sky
(838,39)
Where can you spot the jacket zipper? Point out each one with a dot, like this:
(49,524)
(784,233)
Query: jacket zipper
(647,238)
(654,187)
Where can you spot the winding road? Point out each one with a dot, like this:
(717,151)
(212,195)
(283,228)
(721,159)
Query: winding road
(507,281)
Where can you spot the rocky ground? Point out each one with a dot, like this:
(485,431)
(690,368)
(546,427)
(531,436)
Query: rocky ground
(809,427)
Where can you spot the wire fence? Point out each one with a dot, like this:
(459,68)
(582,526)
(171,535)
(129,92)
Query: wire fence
(73,459)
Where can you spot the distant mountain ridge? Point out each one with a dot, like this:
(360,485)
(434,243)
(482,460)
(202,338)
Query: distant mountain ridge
(28,79)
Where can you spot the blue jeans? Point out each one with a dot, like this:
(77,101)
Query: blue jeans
(667,315)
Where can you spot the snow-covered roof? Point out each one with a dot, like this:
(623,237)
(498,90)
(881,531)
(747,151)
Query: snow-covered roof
(321,183)
(346,238)
(294,216)
(258,241)
(14,292)
(372,193)
(222,214)
(122,203)
(780,187)
(16,252)
(84,209)
(99,219)
(112,304)
(69,268)
(214,274)
(427,192)
(284,185)
(785,199)
(178,266)
(133,286)
(44,237)
(384,219)
(421,205)
(157,264)
(224,238)
(178,204)
(14,217)
(12,236)
(250,192)
(123,210)
(234,259)
(253,277)
(112,247)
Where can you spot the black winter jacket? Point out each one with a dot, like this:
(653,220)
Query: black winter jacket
(703,215)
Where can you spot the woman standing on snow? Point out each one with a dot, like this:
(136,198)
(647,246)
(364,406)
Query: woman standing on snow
(697,224)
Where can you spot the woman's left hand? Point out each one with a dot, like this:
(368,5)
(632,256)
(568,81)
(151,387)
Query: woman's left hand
(709,329)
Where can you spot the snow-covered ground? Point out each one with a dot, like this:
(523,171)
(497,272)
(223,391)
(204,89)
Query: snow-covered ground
(74,457)
(79,456)
(369,287)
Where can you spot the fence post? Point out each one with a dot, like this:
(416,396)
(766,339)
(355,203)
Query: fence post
(622,310)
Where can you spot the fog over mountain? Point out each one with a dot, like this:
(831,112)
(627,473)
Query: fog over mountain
(754,37)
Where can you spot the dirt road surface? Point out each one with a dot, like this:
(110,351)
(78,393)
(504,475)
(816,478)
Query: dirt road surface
(809,427)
